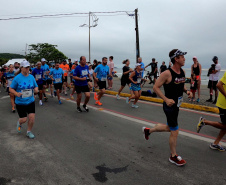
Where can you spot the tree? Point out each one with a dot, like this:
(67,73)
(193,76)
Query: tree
(44,50)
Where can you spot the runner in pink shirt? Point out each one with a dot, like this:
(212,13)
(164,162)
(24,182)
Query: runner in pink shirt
(111,72)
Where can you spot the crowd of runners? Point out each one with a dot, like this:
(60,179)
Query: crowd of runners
(26,82)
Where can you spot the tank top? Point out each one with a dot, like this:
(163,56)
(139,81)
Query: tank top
(174,90)
(137,77)
(196,69)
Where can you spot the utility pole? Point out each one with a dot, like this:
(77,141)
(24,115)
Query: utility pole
(89,38)
(137,36)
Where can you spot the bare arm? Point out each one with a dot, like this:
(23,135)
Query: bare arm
(78,78)
(94,77)
(191,69)
(221,88)
(200,71)
(131,77)
(11,90)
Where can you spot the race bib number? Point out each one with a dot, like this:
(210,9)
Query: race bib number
(180,100)
(103,79)
(84,72)
(38,76)
(26,93)
(138,80)
(57,80)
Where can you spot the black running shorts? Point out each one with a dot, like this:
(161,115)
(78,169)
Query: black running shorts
(101,84)
(212,85)
(40,87)
(65,79)
(171,115)
(24,110)
(125,81)
(80,89)
(49,81)
(58,86)
(222,113)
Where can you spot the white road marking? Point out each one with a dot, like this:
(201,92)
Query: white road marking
(4,97)
(193,136)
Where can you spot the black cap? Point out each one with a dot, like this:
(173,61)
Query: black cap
(153,59)
(215,58)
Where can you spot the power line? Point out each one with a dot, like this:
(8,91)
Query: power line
(65,15)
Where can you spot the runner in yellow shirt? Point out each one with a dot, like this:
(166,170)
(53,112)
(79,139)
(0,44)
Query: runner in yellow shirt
(221,104)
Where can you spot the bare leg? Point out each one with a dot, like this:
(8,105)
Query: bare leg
(79,97)
(220,136)
(87,94)
(40,95)
(58,93)
(120,90)
(215,124)
(12,100)
(31,120)
(100,94)
(22,120)
(173,142)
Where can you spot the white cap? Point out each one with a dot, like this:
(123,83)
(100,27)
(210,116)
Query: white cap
(76,60)
(137,64)
(24,63)
(43,59)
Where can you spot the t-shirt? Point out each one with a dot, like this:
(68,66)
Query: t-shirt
(221,101)
(153,67)
(45,68)
(24,85)
(70,65)
(111,66)
(163,68)
(49,73)
(38,74)
(215,77)
(57,75)
(71,73)
(102,72)
(65,68)
(81,72)
(91,72)
(73,67)
(9,76)
(125,69)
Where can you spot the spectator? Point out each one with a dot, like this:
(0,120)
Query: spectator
(214,73)
(163,67)
(111,72)
(196,69)
(154,70)
(193,86)
(142,66)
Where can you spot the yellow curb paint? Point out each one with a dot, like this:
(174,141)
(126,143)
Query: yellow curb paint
(158,100)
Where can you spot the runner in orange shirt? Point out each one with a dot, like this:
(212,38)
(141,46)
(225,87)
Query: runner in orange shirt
(66,69)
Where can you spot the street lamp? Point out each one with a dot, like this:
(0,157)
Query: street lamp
(94,24)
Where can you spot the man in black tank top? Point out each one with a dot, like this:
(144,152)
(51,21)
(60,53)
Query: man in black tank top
(173,81)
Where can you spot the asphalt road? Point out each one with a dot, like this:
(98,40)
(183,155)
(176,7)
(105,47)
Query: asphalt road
(105,146)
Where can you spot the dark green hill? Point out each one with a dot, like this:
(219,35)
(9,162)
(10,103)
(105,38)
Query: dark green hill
(4,57)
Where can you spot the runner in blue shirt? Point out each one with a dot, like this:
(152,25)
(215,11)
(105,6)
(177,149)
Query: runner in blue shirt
(100,75)
(56,75)
(9,78)
(23,87)
(73,81)
(81,74)
(49,81)
(46,72)
(38,75)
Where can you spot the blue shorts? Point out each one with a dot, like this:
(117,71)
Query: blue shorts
(135,87)
(111,78)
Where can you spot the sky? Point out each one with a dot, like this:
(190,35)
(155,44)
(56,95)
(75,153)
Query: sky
(195,26)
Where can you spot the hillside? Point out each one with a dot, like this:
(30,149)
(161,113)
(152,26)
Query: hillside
(4,57)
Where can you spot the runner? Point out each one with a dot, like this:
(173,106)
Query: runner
(9,78)
(23,87)
(100,76)
(221,104)
(56,75)
(135,78)
(16,67)
(154,70)
(80,75)
(126,70)
(111,72)
(196,69)
(39,75)
(90,80)
(49,81)
(65,67)
(46,72)
(73,81)
(142,66)
(173,81)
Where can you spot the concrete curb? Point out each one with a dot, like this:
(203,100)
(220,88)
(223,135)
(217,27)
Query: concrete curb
(158,100)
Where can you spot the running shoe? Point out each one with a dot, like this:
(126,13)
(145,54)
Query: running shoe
(13,110)
(86,108)
(40,102)
(72,97)
(177,160)
(30,135)
(95,96)
(209,100)
(215,101)
(55,93)
(98,103)
(117,97)
(45,98)
(79,109)
(135,106)
(198,100)
(200,124)
(217,147)
(127,99)
(146,132)
(60,102)
(18,127)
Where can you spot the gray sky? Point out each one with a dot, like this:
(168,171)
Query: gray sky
(195,26)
